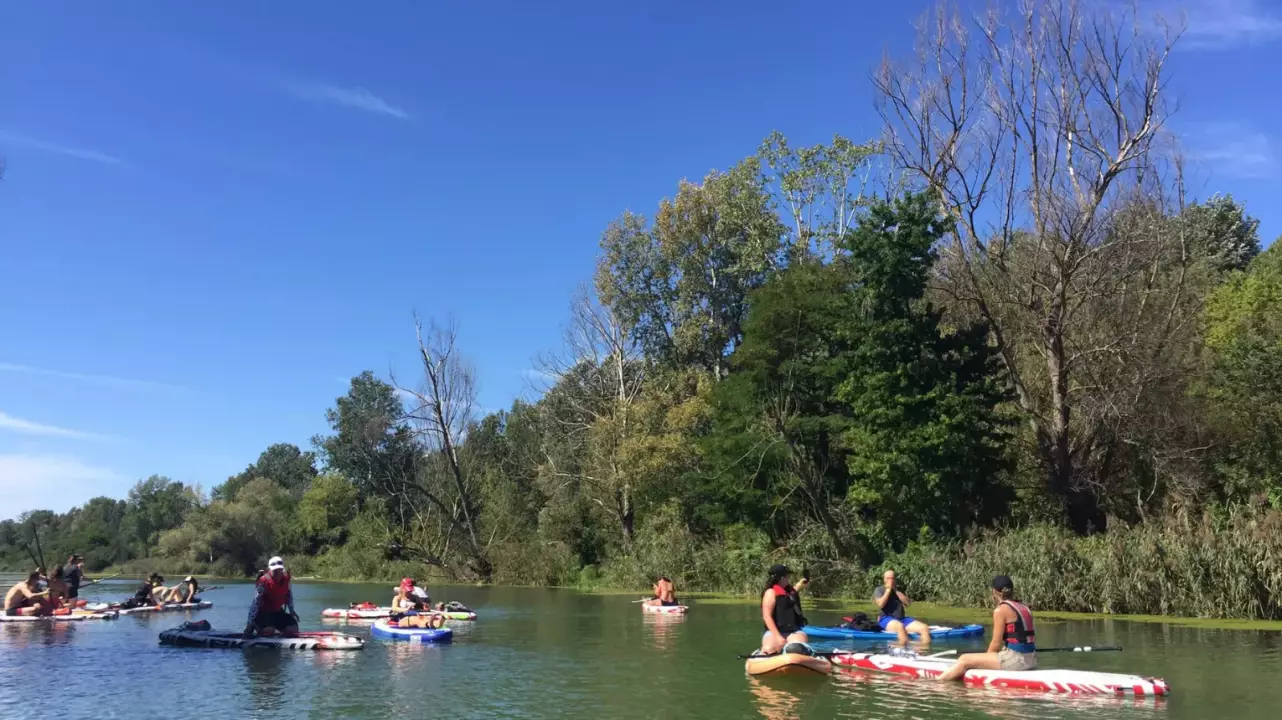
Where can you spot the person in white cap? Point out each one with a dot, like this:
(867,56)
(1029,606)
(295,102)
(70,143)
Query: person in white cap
(272,610)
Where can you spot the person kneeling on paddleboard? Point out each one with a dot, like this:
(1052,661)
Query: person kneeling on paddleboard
(781,612)
(1014,643)
(892,601)
(267,613)
(664,593)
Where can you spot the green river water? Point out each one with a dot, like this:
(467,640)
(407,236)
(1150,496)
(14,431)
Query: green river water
(540,653)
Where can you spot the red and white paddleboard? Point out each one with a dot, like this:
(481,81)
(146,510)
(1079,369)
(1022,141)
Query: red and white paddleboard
(357,614)
(1055,681)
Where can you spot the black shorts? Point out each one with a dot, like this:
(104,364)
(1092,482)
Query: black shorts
(665,603)
(73,593)
(14,612)
(280,620)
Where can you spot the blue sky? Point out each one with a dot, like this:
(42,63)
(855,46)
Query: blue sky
(215,213)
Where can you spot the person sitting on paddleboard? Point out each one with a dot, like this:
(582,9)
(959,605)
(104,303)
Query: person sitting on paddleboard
(1014,643)
(781,612)
(664,593)
(268,613)
(185,592)
(892,601)
(23,599)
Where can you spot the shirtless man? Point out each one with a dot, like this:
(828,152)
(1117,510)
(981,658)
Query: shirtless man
(664,594)
(22,598)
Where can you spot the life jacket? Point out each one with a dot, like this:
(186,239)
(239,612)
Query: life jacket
(143,592)
(1020,636)
(787,615)
(275,593)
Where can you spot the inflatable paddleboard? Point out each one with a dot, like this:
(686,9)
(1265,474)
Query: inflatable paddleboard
(186,637)
(787,662)
(167,607)
(1054,681)
(937,632)
(384,629)
(665,609)
(73,617)
(386,612)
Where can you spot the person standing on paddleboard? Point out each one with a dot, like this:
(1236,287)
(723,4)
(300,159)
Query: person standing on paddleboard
(892,601)
(1014,643)
(74,573)
(781,612)
(272,611)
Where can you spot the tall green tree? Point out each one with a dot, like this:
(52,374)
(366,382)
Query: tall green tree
(372,444)
(1244,387)
(775,452)
(927,443)
(155,505)
(680,286)
(283,463)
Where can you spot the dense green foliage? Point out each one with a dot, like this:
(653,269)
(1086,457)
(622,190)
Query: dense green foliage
(1079,388)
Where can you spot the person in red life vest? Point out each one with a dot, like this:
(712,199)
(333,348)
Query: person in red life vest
(781,613)
(1014,643)
(268,614)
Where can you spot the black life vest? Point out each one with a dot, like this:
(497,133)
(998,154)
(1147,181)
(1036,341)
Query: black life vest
(787,615)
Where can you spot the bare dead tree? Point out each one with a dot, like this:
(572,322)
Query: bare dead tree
(600,373)
(1034,130)
(444,408)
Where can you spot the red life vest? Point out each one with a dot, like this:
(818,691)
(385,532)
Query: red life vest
(1020,635)
(274,593)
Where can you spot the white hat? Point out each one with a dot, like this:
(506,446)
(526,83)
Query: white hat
(187,579)
(275,563)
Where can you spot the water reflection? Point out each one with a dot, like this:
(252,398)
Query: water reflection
(661,629)
(774,703)
(264,670)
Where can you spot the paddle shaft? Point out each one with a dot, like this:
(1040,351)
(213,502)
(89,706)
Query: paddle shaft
(95,582)
(1084,648)
(36,535)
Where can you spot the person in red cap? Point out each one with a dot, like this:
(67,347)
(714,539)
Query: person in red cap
(1014,643)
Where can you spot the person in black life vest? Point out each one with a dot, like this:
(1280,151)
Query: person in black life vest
(272,611)
(74,574)
(1014,643)
(891,601)
(781,612)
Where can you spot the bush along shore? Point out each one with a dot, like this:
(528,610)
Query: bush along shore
(842,356)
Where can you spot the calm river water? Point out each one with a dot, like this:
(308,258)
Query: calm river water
(538,653)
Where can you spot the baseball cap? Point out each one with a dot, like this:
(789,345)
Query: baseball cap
(187,579)
(276,563)
(1003,582)
(779,571)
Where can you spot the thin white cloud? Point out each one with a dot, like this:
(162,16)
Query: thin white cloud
(29,427)
(59,149)
(49,482)
(1227,23)
(1235,149)
(89,378)
(357,98)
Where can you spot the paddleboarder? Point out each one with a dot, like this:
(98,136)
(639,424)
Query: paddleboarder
(1014,643)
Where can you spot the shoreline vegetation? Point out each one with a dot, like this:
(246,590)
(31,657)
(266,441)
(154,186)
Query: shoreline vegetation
(911,352)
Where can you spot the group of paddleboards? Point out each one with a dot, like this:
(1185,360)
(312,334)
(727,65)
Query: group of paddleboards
(273,622)
(54,597)
(1010,661)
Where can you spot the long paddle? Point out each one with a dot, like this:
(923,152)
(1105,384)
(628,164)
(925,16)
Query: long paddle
(1084,648)
(36,535)
(95,582)
(833,653)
